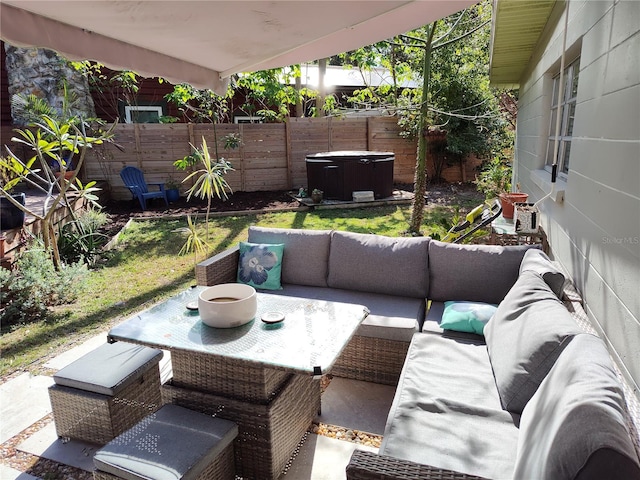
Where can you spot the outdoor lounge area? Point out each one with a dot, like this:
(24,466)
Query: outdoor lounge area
(398,369)
(364,344)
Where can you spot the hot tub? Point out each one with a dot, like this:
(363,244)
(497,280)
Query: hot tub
(339,174)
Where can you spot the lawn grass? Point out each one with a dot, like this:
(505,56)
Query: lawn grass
(145,268)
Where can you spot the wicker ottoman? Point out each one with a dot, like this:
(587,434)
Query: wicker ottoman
(106,392)
(172,443)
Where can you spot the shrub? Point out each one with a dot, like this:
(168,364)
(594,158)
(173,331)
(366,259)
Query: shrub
(81,240)
(27,291)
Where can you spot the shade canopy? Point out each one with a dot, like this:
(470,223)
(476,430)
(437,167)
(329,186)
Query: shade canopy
(204,42)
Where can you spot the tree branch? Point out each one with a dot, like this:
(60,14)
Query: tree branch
(435,42)
(466,34)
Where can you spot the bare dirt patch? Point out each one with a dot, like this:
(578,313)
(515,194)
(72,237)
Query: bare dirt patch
(121,211)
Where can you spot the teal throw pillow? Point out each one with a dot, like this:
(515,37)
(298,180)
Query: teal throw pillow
(468,317)
(260,265)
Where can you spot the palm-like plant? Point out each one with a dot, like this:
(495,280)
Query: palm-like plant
(209,180)
(194,243)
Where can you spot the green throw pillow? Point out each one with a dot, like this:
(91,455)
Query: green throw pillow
(260,265)
(468,317)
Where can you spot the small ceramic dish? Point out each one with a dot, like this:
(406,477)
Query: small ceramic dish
(272,317)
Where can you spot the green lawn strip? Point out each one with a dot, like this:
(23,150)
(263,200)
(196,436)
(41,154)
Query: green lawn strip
(145,268)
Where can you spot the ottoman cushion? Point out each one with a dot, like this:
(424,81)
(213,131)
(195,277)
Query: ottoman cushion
(172,443)
(109,368)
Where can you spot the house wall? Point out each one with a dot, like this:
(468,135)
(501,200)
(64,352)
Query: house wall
(595,231)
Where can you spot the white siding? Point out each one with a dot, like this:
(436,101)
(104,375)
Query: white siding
(595,232)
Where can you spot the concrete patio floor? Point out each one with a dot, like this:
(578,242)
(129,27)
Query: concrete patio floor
(24,401)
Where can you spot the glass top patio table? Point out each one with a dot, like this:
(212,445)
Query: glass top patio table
(309,340)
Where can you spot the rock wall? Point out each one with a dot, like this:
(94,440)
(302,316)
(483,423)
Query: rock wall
(43,73)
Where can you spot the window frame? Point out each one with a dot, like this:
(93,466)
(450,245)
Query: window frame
(566,107)
(239,119)
(141,108)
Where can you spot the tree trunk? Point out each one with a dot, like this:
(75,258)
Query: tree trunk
(420,179)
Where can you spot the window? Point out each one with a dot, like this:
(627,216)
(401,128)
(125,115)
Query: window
(142,113)
(566,108)
(242,119)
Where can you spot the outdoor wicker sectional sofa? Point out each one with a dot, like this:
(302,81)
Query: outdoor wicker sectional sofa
(536,396)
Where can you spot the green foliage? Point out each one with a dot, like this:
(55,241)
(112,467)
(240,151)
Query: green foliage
(231,141)
(34,285)
(494,178)
(171,183)
(460,100)
(119,86)
(199,106)
(194,243)
(209,179)
(81,239)
(87,191)
(52,141)
(271,91)
(12,171)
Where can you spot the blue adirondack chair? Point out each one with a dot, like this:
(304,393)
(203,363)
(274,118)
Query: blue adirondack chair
(133,179)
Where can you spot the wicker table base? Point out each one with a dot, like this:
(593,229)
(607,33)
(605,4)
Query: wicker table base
(226,377)
(267,433)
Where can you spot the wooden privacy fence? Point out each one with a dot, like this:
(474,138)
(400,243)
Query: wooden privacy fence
(271,156)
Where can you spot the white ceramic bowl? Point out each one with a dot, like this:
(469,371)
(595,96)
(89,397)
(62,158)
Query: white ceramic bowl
(227,305)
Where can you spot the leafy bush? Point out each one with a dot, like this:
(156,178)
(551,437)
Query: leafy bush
(34,284)
(81,240)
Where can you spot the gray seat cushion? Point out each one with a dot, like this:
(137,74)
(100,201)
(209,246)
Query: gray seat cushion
(109,368)
(473,273)
(537,261)
(391,317)
(574,426)
(379,264)
(524,338)
(306,253)
(172,443)
(446,411)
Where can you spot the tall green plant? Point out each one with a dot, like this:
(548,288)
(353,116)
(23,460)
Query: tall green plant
(494,178)
(49,142)
(81,239)
(209,180)
(194,243)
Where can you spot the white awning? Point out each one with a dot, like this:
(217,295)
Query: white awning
(204,42)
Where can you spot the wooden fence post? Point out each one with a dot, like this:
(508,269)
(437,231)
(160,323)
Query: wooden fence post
(287,152)
(136,136)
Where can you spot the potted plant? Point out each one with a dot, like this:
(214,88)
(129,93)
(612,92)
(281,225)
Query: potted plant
(316,195)
(495,181)
(172,187)
(11,216)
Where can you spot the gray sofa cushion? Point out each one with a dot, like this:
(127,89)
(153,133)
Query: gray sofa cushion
(306,253)
(475,273)
(574,426)
(391,317)
(379,264)
(537,261)
(109,368)
(525,337)
(172,443)
(446,411)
